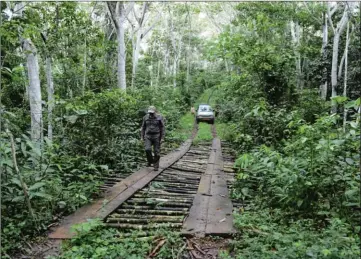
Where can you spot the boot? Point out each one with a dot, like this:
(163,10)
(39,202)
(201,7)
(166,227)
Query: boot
(149,158)
(156,163)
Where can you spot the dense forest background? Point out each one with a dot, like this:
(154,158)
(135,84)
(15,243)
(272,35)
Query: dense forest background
(284,78)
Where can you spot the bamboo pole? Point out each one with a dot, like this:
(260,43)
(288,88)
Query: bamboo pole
(153,212)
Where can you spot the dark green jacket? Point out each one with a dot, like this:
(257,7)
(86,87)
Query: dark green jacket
(153,126)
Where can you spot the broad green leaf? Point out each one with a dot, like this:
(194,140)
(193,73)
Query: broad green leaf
(299,203)
(18,198)
(17,182)
(42,195)
(354,125)
(105,167)
(326,252)
(72,119)
(349,161)
(339,99)
(36,186)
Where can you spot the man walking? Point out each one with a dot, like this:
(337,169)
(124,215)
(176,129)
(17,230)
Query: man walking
(153,132)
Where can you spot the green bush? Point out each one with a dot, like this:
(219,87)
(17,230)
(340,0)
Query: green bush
(265,234)
(315,172)
(93,135)
(92,240)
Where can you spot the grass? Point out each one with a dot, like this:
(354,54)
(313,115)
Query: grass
(185,127)
(222,131)
(204,133)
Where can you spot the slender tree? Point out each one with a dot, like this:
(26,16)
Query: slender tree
(34,90)
(118,13)
(337,32)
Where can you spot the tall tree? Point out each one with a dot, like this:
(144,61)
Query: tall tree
(296,32)
(34,90)
(50,88)
(118,13)
(139,33)
(337,32)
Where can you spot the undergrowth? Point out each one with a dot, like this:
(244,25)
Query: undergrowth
(204,133)
(268,234)
(94,241)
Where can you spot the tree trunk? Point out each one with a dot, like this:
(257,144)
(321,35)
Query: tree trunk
(34,90)
(227,66)
(174,72)
(340,67)
(158,72)
(336,42)
(345,76)
(135,57)
(25,82)
(295,32)
(166,62)
(84,64)
(323,87)
(118,15)
(50,84)
(121,59)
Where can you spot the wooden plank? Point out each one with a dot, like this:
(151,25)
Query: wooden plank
(220,207)
(211,211)
(196,221)
(219,217)
(118,194)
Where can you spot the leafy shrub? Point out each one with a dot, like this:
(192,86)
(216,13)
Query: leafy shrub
(266,235)
(315,172)
(54,183)
(93,135)
(95,241)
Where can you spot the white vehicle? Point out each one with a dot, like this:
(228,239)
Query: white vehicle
(205,114)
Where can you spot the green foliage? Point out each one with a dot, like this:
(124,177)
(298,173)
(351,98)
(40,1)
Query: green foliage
(94,135)
(314,173)
(266,235)
(104,127)
(185,127)
(95,241)
(55,183)
(204,133)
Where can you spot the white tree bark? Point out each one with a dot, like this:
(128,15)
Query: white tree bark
(166,62)
(50,88)
(118,14)
(174,72)
(336,42)
(158,73)
(122,84)
(84,67)
(295,32)
(34,90)
(176,47)
(340,67)
(141,32)
(188,60)
(345,75)
(50,84)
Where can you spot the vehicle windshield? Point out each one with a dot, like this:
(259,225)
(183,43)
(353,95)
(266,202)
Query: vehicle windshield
(205,108)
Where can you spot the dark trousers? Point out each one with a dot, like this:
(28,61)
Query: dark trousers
(149,142)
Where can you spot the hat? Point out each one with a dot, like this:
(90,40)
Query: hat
(151,109)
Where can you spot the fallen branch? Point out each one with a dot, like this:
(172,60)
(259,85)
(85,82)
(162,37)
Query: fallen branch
(156,249)
(198,248)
